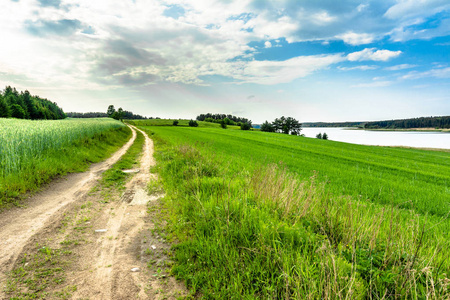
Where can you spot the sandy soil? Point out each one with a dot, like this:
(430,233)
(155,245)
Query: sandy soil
(127,259)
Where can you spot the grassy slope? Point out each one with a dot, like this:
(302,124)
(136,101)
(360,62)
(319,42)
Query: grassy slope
(405,177)
(73,158)
(248,228)
(181,123)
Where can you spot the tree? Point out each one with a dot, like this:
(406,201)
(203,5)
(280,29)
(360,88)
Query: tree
(324,136)
(223,124)
(118,115)
(5,112)
(287,125)
(17,111)
(319,135)
(175,123)
(193,123)
(30,106)
(245,126)
(267,127)
(111,110)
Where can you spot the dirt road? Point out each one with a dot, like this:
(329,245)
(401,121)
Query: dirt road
(114,251)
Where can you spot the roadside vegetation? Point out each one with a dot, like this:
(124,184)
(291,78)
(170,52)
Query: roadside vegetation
(113,180)
(34,152)
(256,214)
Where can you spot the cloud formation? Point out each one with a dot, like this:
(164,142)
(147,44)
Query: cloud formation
(373,54)
(203,50)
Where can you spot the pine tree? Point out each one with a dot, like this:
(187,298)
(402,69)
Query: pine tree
(5,112)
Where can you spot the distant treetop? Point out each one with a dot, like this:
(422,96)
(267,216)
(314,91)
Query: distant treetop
(125,115)
(228,119)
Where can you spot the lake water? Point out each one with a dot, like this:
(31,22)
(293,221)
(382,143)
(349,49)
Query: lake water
(383,138)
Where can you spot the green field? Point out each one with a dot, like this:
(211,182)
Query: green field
(34,152)
(269,215)
(181,123)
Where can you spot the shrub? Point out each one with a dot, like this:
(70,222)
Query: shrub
(175,123)
(245,126)
(266,126)
(193,123)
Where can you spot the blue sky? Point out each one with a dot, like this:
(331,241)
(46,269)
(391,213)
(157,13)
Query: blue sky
(313,60)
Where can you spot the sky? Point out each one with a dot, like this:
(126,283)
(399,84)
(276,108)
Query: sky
(322,60)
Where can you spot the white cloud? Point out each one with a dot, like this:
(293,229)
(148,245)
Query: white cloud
(400,67)
(267,44)
(265,28)
(371,54)
(416,8)
(436,73)
(353,38)
(274,72)
(362,7)
(362,68)
(323,18)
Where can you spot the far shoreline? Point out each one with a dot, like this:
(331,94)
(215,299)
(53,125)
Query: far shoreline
(443,130)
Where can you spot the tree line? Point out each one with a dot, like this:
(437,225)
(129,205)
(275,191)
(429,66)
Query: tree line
(333,124)
(25,106)
(423,122)
(284,125)
(125,115)
(223,119)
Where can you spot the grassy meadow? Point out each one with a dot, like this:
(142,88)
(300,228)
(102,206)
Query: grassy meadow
(181,123)
(34,152)
(268,215)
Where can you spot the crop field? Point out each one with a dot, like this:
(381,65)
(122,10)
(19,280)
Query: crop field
(35,151)
(274,216)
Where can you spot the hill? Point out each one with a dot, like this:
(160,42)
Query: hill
(268,215)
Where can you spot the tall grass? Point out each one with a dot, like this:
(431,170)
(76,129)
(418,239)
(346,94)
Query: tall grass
(22,141)
(33,152)
(251,229)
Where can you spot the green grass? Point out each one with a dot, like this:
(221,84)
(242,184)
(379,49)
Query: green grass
(181,123)
(113,178)
(35,152)
(38,272)
(273,216)
(409,178)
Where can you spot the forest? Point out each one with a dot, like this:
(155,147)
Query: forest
(423,122)
(25,106)
(333,124)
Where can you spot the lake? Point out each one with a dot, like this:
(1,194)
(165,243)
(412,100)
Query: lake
(383,138)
